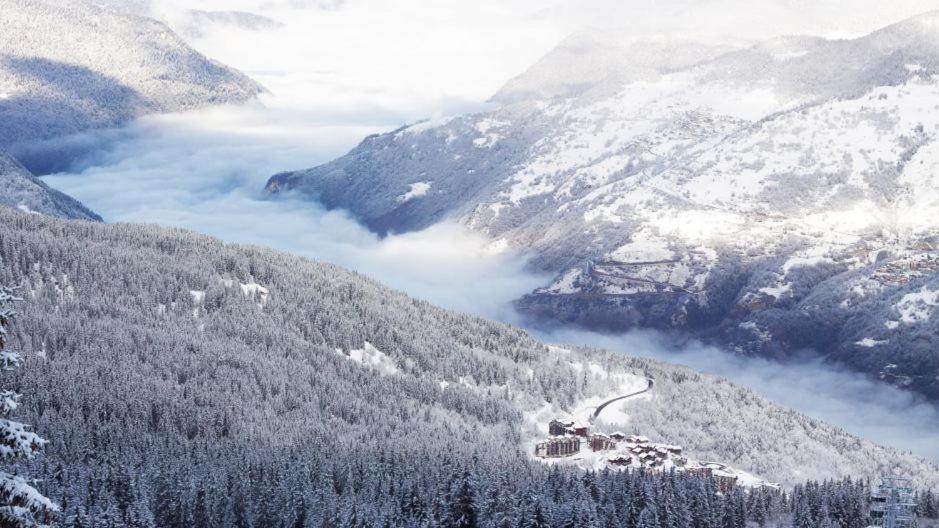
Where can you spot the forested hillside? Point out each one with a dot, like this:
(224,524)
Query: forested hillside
(175,374)
(23,191)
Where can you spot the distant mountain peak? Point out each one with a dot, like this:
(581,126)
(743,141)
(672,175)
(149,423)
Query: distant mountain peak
(19,189)
(119,66)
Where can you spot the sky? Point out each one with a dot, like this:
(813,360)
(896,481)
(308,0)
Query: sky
(339,70)
(362,59)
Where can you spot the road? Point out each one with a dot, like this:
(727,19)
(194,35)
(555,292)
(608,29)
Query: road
(619,398)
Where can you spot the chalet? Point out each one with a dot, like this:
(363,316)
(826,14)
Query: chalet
(680,461)
(601,442)
(673,449)
(558,446)
(582,430)
(560,427)
(637,439)
(622,460)
(618,436)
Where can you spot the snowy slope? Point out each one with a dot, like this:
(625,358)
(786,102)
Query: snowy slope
(21,190)
(595,57)
(66,66)
(739,197)
(229,347)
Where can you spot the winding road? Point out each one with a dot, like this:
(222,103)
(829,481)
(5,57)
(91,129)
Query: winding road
(603,405)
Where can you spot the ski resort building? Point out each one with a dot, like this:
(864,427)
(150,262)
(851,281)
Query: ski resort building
(559,427)
(621,460)
(601,442)
(559,446)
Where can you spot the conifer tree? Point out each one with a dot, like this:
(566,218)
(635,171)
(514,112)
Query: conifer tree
(20,503)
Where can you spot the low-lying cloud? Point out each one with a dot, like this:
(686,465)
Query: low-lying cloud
(205,171)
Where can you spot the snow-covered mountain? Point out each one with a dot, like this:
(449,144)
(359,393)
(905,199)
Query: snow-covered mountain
(67,66)
(21,190)
(223,353)
(776,197)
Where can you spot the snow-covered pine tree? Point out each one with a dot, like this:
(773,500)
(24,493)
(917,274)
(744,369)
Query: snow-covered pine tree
(21,505)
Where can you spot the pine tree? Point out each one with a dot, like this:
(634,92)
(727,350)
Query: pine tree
(649,518)
(20,503)
(463,507)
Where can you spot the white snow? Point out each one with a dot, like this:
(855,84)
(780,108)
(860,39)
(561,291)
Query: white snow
(869,342)
(644,246)
(488,128)
(566,284)
(612,416)
(416,190)
(198,297)
(254,290)
(805,262)
(917,306)
(370,356)
(777,291)
(25,208)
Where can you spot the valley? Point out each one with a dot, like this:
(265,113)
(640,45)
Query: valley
(656,279)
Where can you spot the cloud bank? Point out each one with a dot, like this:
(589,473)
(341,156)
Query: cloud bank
(205,171)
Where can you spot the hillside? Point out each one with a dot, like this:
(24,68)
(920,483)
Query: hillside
(117,66)
(21,190)
(771,199)
(185,358)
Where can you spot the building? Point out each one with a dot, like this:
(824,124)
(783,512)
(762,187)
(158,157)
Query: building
(622,460)
(700,472)
(601,442)
(558,427)
(618,436)
(673,449)
(559,446)
(725,483)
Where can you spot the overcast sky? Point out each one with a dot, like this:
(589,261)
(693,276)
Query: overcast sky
(433,58)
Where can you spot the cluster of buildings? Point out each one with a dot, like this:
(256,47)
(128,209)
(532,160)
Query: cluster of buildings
(902,270)
(569,438)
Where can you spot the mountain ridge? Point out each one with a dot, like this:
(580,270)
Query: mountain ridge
(122,66)
(21,190)
(725,199)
